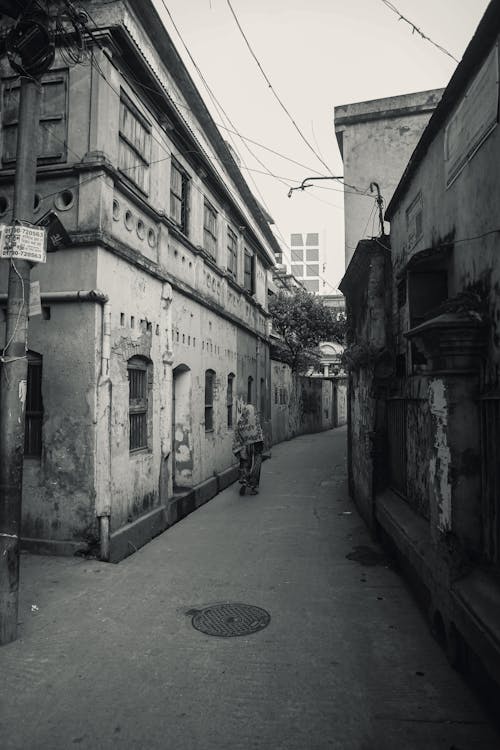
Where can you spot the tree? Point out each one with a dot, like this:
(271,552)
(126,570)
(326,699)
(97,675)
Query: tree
(301,321)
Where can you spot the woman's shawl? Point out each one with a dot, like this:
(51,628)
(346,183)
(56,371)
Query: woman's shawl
(248,429)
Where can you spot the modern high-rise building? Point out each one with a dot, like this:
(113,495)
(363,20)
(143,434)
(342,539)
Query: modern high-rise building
(308,260)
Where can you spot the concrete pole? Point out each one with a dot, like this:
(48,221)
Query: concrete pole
(14,367)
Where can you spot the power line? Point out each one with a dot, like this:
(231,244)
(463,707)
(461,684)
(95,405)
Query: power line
(417,30)
(266,78)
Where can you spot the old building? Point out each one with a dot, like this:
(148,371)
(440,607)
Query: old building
(376,139)
(431,429)
(154,320)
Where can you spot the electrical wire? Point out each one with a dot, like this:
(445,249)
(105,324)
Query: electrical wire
(216,103)
(271,87)
(417,30)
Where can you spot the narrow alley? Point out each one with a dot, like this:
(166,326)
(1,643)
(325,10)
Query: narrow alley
(107,655)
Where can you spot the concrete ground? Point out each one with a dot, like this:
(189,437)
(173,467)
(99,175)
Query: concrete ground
(107,656)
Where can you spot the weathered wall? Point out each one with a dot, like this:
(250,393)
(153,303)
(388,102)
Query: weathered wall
(300,404)
(58,487)
(367,132)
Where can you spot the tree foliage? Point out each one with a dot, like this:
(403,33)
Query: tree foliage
(301,321)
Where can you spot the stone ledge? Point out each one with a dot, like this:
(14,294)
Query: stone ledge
(132,536)
(476,600)
(472,603)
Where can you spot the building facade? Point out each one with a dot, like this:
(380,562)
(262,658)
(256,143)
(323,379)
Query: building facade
(154,320)
(430,438)
(308,259)
(376,138)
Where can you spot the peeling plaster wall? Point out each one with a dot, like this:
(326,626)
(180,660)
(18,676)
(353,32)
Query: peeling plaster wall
(362,418)
(203,341)
(440,461)
(138,328)
(299,404)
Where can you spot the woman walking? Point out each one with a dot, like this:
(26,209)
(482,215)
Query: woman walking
(248,444)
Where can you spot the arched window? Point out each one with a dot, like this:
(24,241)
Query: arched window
(229,400)
(138,388)
(250,390)
(209,400)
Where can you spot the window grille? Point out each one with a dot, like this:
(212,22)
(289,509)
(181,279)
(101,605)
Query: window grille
(232,252)
(249,272)
(138,403)
(210,230)
(179,187)
(135,145)
(34,407)
(230,381)
(209,400)
(53,118)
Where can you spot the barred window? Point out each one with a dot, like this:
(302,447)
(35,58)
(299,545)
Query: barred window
(179,196)
(135,144)
(34,407)
(53,118)
(232,252)
(210,229)
(209,400)
(137,370)
(230,396)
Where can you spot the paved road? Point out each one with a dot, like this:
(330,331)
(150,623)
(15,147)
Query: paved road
(108,657)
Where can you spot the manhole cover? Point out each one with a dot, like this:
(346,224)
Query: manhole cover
(230,619)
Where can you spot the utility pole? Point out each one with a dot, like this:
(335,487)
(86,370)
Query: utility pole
(14,366)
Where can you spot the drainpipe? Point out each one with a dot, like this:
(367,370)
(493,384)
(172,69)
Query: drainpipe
(103,406)
(103,437)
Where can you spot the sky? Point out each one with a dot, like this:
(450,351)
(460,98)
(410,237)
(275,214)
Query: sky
(317,54)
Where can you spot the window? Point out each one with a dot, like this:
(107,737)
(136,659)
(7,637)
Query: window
(275,394)
(297,270)
(297,255)
(179,194)
(312,269)
(53,118)
(209,400)
(135,144)
(232,252)
(210,230)
(312,253)
(137,370)
(34,407)
(249,272)
(229,399)
(296,239)
(250,390)
(312,239)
